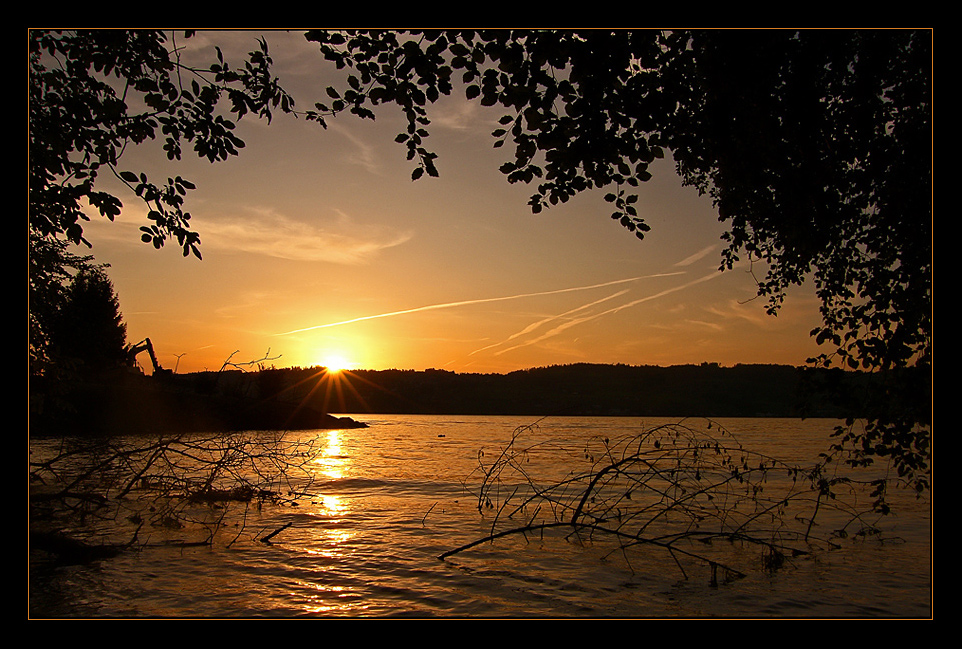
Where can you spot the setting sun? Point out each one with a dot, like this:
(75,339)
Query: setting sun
(335,363)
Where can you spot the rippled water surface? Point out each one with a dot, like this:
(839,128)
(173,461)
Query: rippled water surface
(389,499)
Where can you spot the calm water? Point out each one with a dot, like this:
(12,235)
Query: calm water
(389,499)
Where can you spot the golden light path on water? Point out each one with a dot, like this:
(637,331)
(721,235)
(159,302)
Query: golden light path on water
(331,465)
(331,462)
(330,536)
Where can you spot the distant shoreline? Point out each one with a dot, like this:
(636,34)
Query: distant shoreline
(309,398)
(583,389)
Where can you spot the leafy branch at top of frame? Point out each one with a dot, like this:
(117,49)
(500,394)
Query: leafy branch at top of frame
(94,92)
(386,70)
(544,80)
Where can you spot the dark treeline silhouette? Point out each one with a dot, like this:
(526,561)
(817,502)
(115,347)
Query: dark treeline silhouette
(128,403)
(308,398)
(580,389)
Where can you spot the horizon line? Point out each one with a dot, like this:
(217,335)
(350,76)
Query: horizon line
(716,364)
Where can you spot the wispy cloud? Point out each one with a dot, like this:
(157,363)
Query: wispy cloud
(363,154)
(708,325)
(460,115)
(278,236)
(263,231)
(448,305)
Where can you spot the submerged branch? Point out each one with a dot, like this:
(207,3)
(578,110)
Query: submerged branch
(668,487)
(182,483)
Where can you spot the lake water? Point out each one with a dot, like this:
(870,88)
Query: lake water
(386,501)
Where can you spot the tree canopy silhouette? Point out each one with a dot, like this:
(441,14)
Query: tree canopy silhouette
(93,94)
(90,329)
(815,145)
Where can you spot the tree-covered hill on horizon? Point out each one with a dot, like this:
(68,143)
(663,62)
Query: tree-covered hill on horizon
(308,398)
(749,390)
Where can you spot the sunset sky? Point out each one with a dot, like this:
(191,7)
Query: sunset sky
(317,245)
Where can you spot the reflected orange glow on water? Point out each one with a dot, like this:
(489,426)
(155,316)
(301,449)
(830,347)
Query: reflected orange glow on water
(324,595)
(331,462)
(366,541)
(330,541)
(331,506)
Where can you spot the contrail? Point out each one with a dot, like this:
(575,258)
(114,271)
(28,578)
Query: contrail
(531,327)
(448,305)
(688,261)
(567,325)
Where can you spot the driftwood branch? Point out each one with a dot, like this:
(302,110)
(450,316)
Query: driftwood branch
(267,539)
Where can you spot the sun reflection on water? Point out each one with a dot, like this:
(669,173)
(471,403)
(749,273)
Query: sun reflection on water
(331,462)
(330,509)
(331,505)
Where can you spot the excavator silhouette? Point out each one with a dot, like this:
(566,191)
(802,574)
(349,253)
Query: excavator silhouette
(143,345)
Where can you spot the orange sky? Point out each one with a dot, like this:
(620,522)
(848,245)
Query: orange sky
(317,244)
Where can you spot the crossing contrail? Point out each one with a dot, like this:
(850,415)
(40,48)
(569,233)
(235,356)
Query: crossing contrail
(531,327)
(571,323)
(448,305)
